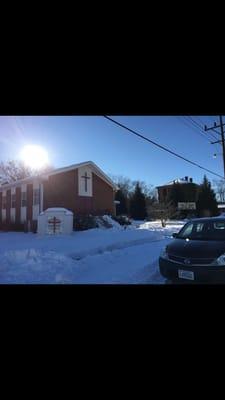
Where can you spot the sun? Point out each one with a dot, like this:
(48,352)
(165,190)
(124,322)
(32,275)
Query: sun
(34,156)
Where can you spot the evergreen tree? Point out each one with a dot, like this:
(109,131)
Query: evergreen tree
(190,191)
(121,208)
(138,204)
(206,203)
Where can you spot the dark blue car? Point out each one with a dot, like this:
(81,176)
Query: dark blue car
(197,253)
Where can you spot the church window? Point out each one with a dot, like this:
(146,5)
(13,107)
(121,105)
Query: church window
(4,202)
(13,200)
(23,199)
(36,197)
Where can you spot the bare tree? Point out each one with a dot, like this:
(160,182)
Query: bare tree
(128,186)
(125,184)
(162,211)
(13,170)
(219,188)
(148,189)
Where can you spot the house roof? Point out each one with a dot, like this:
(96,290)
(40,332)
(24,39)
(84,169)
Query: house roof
(177,180)
(94,167)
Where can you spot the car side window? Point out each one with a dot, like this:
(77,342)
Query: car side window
(199,227)
(187,231)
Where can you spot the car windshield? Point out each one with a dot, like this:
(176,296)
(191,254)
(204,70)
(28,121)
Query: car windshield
(203,230)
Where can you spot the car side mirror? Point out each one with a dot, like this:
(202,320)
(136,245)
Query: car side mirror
(174,235)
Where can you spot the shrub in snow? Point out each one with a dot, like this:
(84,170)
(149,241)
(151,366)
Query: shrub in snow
(84,222)
(107,221)
(30,226)
(11,227)
(111,222)
(122,220)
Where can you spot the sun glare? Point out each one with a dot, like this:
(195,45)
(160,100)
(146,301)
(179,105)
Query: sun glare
(34,156)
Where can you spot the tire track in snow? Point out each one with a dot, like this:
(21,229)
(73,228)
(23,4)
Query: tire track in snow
(113,247)
(132,265)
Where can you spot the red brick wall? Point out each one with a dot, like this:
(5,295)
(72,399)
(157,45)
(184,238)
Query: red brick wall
(163,192)
(103,196)
(61,190)
(8,205)
(18,205)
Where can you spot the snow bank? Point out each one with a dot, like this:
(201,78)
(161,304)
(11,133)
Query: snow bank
(35,266)
(92,256)
(112,222)
(132,265)
(156,226)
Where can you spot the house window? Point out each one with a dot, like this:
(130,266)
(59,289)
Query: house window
(4,202)
(13,201)
(23,199)
(36,197)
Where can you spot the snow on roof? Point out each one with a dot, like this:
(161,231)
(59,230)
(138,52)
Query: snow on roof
(177,180)
(58,209)
(98,171)
(95,168)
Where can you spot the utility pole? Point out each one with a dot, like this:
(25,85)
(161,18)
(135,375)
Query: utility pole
(221,141)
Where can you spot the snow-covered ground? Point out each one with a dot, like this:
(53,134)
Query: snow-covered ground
(114,255)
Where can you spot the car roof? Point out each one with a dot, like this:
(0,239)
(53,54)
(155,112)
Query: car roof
(208,219)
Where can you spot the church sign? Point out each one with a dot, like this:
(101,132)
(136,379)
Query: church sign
(54,225)
(187,206)
(55,221)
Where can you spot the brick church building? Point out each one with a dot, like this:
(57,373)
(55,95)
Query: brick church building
(82,188)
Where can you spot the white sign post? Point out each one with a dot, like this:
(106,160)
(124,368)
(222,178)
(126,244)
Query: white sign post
(187,206)
(54,221)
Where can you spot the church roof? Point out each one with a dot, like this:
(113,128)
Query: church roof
(93,166)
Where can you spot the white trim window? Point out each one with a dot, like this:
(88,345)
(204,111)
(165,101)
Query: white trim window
(23,199)
(36,197)
(13,200)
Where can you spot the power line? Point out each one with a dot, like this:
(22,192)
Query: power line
(204,132)
(218,145)
(190,126)
(193,128)
(212,135)
(222,140)
(196,123)
(161,147)
(212,119)
(200,127)
(213,127)
(203,123)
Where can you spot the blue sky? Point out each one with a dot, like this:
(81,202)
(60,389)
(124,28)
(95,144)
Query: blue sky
(73,139)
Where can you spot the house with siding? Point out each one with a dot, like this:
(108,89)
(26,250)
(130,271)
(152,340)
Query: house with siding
(82,188)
